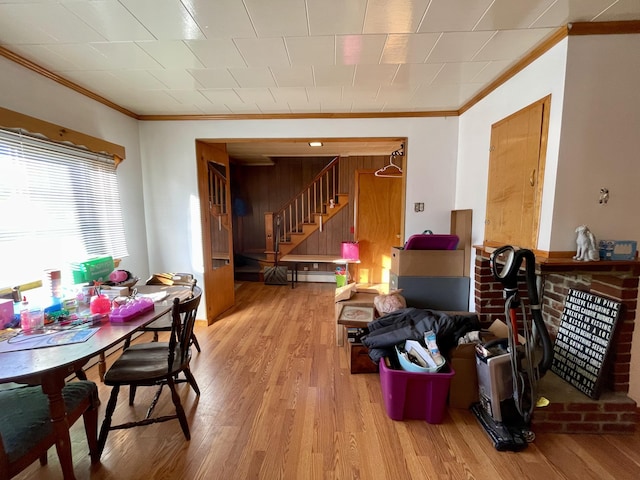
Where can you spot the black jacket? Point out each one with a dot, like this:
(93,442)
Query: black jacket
(412,323)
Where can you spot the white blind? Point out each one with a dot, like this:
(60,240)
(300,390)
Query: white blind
(60,204)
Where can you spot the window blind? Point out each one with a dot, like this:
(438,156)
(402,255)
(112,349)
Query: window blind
(60,204)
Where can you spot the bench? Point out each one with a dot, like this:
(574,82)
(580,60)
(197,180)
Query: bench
(296,260)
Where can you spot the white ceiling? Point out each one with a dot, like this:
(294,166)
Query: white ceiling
(222,57)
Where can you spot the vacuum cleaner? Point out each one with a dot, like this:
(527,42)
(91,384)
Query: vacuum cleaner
(509,368)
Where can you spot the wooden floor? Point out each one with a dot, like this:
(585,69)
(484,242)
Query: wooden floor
(278,402)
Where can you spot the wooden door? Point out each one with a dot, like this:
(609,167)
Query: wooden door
(378,223)
(516,170)
(217,232)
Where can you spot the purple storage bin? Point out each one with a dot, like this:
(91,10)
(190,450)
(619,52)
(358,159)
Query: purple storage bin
(409,395)
(431,241)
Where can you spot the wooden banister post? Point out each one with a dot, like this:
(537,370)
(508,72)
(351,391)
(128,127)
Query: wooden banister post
(268,232)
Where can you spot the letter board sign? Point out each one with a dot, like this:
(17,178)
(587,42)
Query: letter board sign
(580,353)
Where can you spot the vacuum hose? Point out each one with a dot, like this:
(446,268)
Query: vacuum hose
(508,276)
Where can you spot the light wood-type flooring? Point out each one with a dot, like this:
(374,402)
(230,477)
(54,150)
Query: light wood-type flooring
(278,402)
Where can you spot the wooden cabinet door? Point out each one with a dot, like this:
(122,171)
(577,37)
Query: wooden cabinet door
(378,224)
(516,170)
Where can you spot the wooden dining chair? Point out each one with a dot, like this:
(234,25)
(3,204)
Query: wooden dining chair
(155,364)
(163,324)
(26,431)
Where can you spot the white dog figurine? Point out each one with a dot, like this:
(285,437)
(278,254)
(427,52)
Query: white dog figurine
(586,245)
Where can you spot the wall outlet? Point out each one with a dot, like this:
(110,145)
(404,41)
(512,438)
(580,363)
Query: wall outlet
(315,266)
(418,207)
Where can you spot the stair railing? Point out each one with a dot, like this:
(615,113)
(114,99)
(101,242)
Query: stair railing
(217,192)
(303,207)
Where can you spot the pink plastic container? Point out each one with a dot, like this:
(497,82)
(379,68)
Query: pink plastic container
(131,310)
(409,395)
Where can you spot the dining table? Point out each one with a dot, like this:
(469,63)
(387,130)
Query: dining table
(50,361)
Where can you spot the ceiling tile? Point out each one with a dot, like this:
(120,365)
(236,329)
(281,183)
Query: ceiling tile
(176,79)
(325,95)
(394,16)
(253,77)
(221,18)
(446,97)
(110,19)
(507,44)
(138,79)
(47,23)
(507,14)
(335,76)
(306,51)
(226,96)
(453,15)
(189,97)
(459,72)
(210,78)
(401,48)
(290,95)
(278,18)
(255,95)
(458,46)
(414,74)
(492,71)
(44,56)
(171,54)
(403,55)
(217,52)
(165,19)
(620,10)
(292,77)
(374,75)
(118,55)
(336,17)
(272,108)
(354,49)
(100,82)
(580,11)
(263,52)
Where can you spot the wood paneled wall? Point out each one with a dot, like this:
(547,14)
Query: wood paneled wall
(268,188)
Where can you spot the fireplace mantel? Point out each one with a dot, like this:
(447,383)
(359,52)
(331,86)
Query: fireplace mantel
(572,411)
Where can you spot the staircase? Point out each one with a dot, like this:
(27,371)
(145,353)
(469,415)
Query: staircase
(305,213)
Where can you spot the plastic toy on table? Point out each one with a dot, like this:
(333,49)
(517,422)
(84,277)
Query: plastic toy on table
(131,310)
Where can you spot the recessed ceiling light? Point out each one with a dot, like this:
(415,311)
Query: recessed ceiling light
(315,144)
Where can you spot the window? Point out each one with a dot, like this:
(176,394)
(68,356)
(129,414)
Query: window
(60,204)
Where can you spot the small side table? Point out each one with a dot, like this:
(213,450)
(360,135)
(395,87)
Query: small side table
(352,316)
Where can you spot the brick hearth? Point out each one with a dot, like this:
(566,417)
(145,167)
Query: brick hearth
(569,410)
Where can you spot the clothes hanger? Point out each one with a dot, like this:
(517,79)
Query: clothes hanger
(392,170)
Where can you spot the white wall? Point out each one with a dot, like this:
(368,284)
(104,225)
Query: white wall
(26,92)
(600,140)
(600,148)
(170,183)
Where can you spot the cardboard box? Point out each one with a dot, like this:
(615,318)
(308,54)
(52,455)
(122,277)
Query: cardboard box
(425,263)
(464,386)
(357,299)
(617,249)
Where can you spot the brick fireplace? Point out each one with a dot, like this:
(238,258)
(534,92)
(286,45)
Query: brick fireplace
(571,411)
